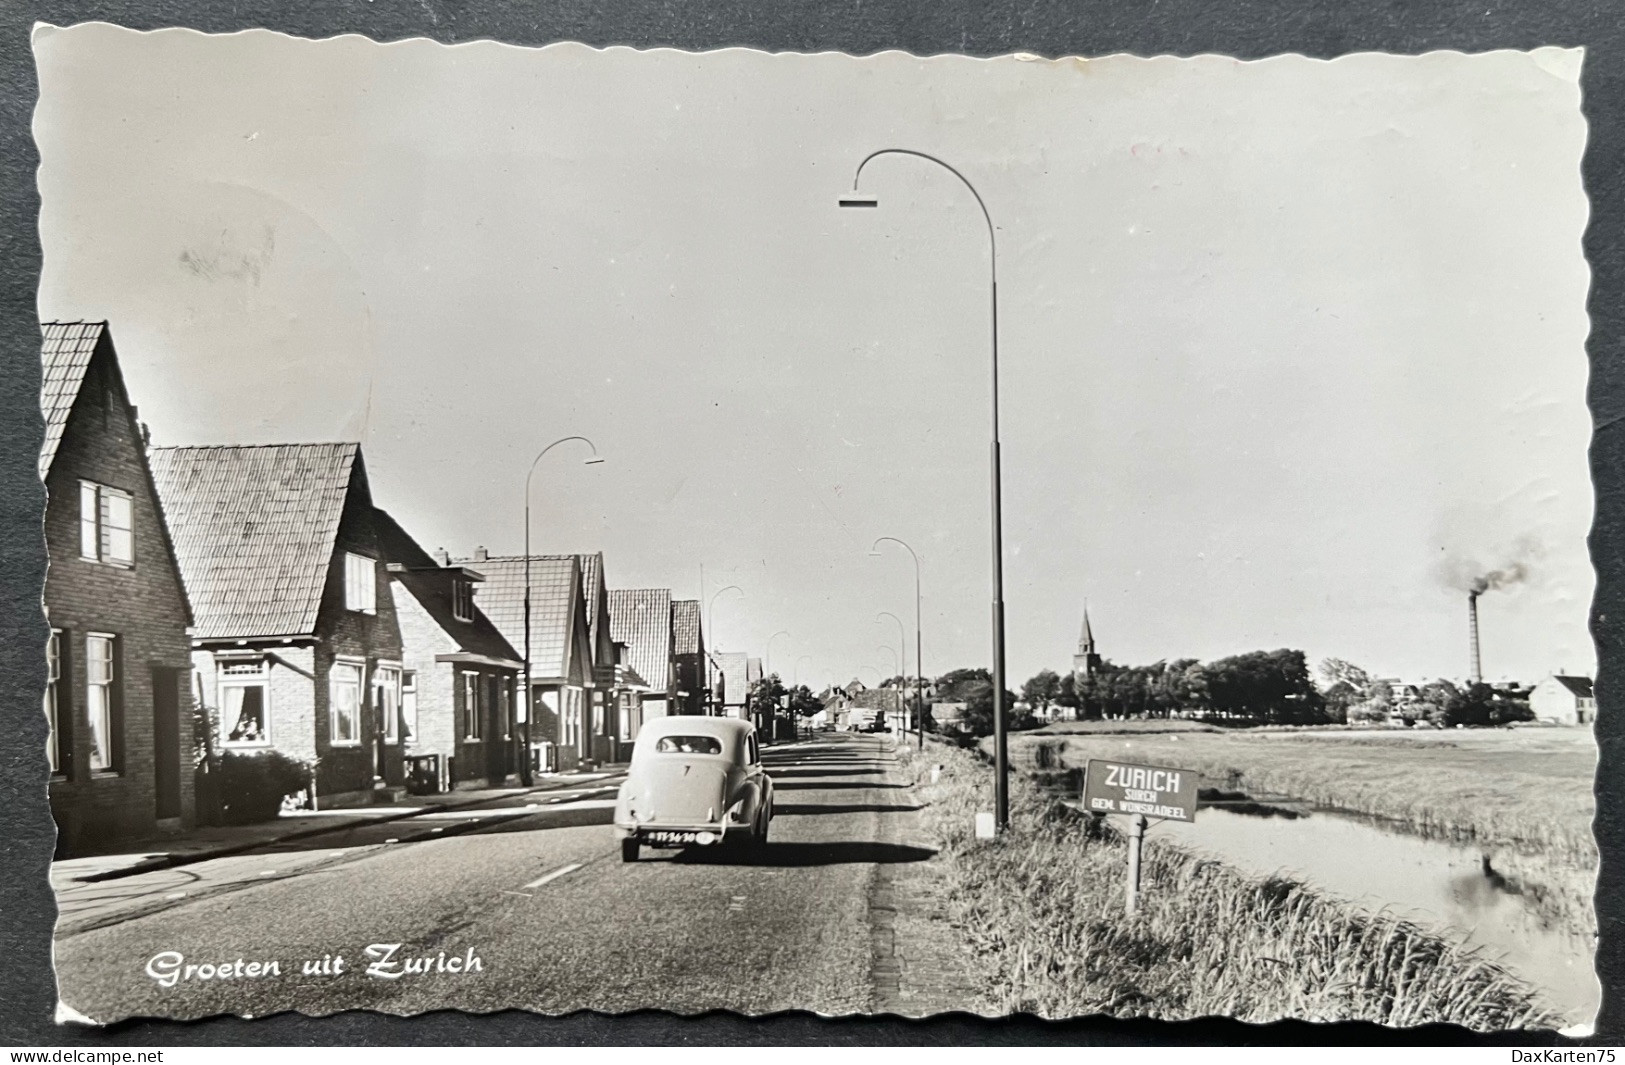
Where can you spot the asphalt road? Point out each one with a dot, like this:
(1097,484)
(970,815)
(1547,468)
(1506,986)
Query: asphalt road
(538,894)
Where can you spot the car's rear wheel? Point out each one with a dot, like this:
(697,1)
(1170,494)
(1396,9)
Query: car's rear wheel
(629,849)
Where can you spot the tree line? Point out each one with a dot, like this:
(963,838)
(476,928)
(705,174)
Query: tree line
(1259,687)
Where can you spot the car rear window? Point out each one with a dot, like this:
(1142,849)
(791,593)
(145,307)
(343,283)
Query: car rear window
(689,745)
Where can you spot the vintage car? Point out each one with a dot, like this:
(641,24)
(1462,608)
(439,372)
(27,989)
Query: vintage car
(694,781)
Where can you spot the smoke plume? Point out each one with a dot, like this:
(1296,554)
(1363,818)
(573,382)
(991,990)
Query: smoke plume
(1475,577)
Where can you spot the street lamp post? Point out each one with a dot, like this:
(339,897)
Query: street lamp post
(524,692)
(919,667)
(902,663)
(711,613)
(1001,759)
(896,660)
(795,686)
(769,663)
(767,669)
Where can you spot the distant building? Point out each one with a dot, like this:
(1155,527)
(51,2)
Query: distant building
(562,678)
(603,738)
(1085,663)
(948,717)
(118,695)
(688,658)
(641,618)
(1564,700)
(730,684)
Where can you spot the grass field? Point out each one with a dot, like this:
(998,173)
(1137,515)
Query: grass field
(1042,905)
(1524,795)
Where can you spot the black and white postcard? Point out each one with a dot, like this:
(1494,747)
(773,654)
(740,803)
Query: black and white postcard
(560,528)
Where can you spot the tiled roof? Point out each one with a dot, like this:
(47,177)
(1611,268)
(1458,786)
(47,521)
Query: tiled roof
(553,582)
(733,665)
(592,579)
(431,585)
(65,353)
(254,529)
(641,619)
(685,626)
(1580,686)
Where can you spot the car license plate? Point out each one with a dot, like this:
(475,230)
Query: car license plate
(672,837)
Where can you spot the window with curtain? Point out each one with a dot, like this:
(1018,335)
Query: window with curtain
(386,686)
(360,584)
(55,745)
(102,699)
(344,703)
(106,525)
(472,706)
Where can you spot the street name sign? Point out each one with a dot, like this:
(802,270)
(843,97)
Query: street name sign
(1147,790)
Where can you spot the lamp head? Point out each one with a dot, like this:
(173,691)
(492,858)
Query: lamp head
(593,461)
(858,199)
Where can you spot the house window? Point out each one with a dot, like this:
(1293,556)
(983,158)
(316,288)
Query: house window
(409,703)
(572,717)
(505,707)
(56,747)
(106,525)
(386,686)
(102,700)
(344,704)
(245,703)
(471,706)
(360,584)
(462,599)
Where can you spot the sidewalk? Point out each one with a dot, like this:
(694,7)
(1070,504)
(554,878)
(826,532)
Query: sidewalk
(206,843)
(921,964)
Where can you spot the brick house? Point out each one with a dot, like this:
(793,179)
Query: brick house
(459,676)
(117,698)
(640,618)
(688,658)
(561,657)
(296,646)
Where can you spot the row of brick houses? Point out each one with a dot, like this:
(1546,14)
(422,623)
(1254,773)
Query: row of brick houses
(255,598)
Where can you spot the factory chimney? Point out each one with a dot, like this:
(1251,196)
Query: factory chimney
(1472,638)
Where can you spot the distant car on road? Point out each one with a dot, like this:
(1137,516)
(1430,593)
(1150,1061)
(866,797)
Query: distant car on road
(694,781)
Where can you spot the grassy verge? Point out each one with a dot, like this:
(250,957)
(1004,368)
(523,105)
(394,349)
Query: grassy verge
(1043,907)
(1525,797)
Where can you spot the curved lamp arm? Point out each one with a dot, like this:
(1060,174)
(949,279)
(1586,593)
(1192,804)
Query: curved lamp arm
(861,201)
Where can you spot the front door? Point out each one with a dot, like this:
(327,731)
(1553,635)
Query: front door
(166,740)
(496,727)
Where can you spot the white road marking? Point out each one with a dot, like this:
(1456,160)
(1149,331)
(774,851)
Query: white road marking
(391,841)
(554,875)
(268,872)
(176,895)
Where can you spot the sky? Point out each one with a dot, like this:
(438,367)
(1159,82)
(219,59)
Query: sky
(1288,349)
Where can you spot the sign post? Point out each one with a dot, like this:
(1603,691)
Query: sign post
(1141,792)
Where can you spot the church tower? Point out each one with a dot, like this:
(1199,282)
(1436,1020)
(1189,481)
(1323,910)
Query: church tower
(1086,661)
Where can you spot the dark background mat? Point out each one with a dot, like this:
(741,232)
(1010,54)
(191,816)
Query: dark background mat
(1247,29)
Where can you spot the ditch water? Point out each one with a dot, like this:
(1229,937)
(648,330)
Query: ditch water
(1435,884)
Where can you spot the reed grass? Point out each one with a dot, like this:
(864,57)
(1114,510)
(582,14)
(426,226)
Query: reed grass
(1042,906)
(1523,797)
